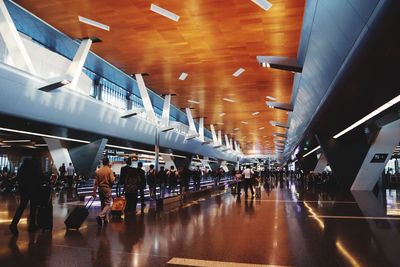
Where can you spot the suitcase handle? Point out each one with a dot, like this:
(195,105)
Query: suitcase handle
(91,200)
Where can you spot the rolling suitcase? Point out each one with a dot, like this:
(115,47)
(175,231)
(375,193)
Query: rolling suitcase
(78,216)
(118,206)
(44,217)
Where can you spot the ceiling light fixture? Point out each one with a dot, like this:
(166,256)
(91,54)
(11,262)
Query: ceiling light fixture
(236,129)
(261,128)
(312,151)
(193,101)
(183,76)
(163,12)
(228,100)
(255,113)
(220,123)
(238,72)
(369,116)
(94,23)
(264,4)
(222,114)
(244,122)
(17,141)
(270,98)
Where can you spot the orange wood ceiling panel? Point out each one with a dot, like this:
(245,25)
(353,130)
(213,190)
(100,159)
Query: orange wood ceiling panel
(211,40)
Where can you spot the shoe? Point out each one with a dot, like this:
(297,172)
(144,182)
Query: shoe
(99,221)
(13,229)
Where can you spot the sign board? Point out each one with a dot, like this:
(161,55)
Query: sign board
(379,158)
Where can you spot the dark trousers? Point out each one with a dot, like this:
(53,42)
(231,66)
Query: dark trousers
(141,197)
(248,183)
(70,180)
(131,201)
(25,198)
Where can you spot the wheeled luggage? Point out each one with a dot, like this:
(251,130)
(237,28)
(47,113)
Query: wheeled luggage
(45,217)
(78,215)
(258,191)
(118,206)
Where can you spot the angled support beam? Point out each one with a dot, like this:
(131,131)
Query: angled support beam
(201,129)
(220,137)
(151,116)
(279,124)
(165,115)
(282,63)
(227,143)
(231,143)
(192,127)
(132,112)
(214,136)
(283,106)
(16,49)
(74,70)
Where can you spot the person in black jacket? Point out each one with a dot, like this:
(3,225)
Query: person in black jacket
(142,183)
(162,180)
(130,180)
(29,177)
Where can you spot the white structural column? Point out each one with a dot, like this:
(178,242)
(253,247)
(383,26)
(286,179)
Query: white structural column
(58,153)
(75,68)
(201,129)
(321,164)
(227,144)
(166,110)
(16,49)
(231,143)
(192,127)
(375,161)
(205,163)
(168,161)
(214,137)
(151,116)
(219,137)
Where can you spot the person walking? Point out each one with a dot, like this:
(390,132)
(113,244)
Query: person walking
(70,175)
(142,184)
(197,178)
(104,181)
(247,175)
(151,181)
(161,180)
(130,180)
(62,171)
(30,177)
(172,179)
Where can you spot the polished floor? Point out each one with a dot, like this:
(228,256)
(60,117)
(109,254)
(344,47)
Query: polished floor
(289,226)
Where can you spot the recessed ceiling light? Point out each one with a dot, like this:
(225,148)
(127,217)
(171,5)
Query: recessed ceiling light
(244,122)
(164,12)
(228,100)
(16,141)
(94,23)
(261,128)
(183,76)
(270,98)
(238,72)
(265,136)
(255,113)
(222,114)
(220,123)
(266,65)
(236,129)
(193,101)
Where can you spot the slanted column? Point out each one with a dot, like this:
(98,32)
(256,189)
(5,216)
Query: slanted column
(58,152)
(192,127)
(377,157)
(151,116)
(16,49)
(85,158)
(321,164)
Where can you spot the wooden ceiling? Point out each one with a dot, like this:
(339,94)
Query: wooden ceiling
(211,40)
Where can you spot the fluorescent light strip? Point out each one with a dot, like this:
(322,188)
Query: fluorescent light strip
(236,129)
(40,145)
(312,151)
(16,141)
(261,128)
(193,101)
(5,146)
(222,114)
(220,123)
(369,116)
(94,23)
(183,76)
(255,113)
(270,98)
(238,72)
(81,141)
(228,100)
(264,4)
(244,122)
(163,12)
